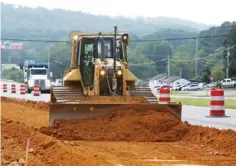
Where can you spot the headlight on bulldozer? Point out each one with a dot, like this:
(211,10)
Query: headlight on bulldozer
(75,37)
(102,72)
(119,72)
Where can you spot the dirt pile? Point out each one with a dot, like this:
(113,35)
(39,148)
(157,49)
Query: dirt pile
(14,135)
(43,150)
(224,140)
(196,145)
(123,125)
(29,103)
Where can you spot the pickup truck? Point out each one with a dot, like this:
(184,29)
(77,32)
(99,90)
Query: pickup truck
(229,83)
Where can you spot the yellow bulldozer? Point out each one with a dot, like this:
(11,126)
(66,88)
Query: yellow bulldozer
(99,81)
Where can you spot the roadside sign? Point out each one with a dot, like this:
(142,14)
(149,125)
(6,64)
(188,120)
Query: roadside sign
(8,45)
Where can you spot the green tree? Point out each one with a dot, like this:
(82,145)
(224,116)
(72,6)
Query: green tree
(141,66)
(210,44)
(231,42)
(13,74)
(155,51)
(60,59)
(182,60)
(217,73)
(205,76)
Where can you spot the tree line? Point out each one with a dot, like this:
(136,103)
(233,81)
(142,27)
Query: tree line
(149,53)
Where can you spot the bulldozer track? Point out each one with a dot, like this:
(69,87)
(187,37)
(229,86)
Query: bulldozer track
(72,94)
(143,91)
(66,94)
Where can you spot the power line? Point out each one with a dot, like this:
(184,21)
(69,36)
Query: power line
(181,38)
(220,52)
(183,60)
(204,58)
(211,62)
(35,40)
(212,44)
(154,40)
(207,48)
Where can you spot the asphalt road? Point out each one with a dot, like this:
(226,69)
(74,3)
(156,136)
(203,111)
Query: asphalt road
(193,114)
(206,92)
(228,93)
(42,97)
(198,116)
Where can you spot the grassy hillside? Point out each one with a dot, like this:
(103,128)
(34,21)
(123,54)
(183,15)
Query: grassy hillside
(62,20)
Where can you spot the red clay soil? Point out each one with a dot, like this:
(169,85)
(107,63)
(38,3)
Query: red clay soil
(195,144)
(220,139)
(123,125)
(28,103)
(130,125)
(45,150)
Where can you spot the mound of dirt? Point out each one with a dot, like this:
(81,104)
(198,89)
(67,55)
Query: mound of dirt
(122,125)
(43,150)
(224,140)
(29,103)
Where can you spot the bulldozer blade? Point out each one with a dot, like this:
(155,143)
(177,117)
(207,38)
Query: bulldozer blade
(83,111)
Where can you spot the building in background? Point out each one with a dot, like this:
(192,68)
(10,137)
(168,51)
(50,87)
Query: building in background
(163,79)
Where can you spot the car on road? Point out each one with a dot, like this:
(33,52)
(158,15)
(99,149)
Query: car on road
(165,86)
(191,87)
(210,85)
(201,85)
(229,83)
(58,82)
(176,87)
(181,88)
(213,85)
(53,83)
(158,87)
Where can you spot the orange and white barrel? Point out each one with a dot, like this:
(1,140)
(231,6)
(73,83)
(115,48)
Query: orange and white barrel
(164,95)
(4,87)
(13,88)
(22,89)
(36,90)
(217,103)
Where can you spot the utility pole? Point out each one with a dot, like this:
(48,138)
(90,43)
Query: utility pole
(168,65)
(180,72)
(227,69)
(9,59)
(49,56)
(196,74)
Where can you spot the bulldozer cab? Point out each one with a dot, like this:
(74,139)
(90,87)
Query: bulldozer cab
(90,48)
(86,62)
(99,47)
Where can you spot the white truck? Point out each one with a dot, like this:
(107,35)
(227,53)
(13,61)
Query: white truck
(36,73)
(229,83)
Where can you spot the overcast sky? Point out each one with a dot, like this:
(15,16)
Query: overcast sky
(203,11)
